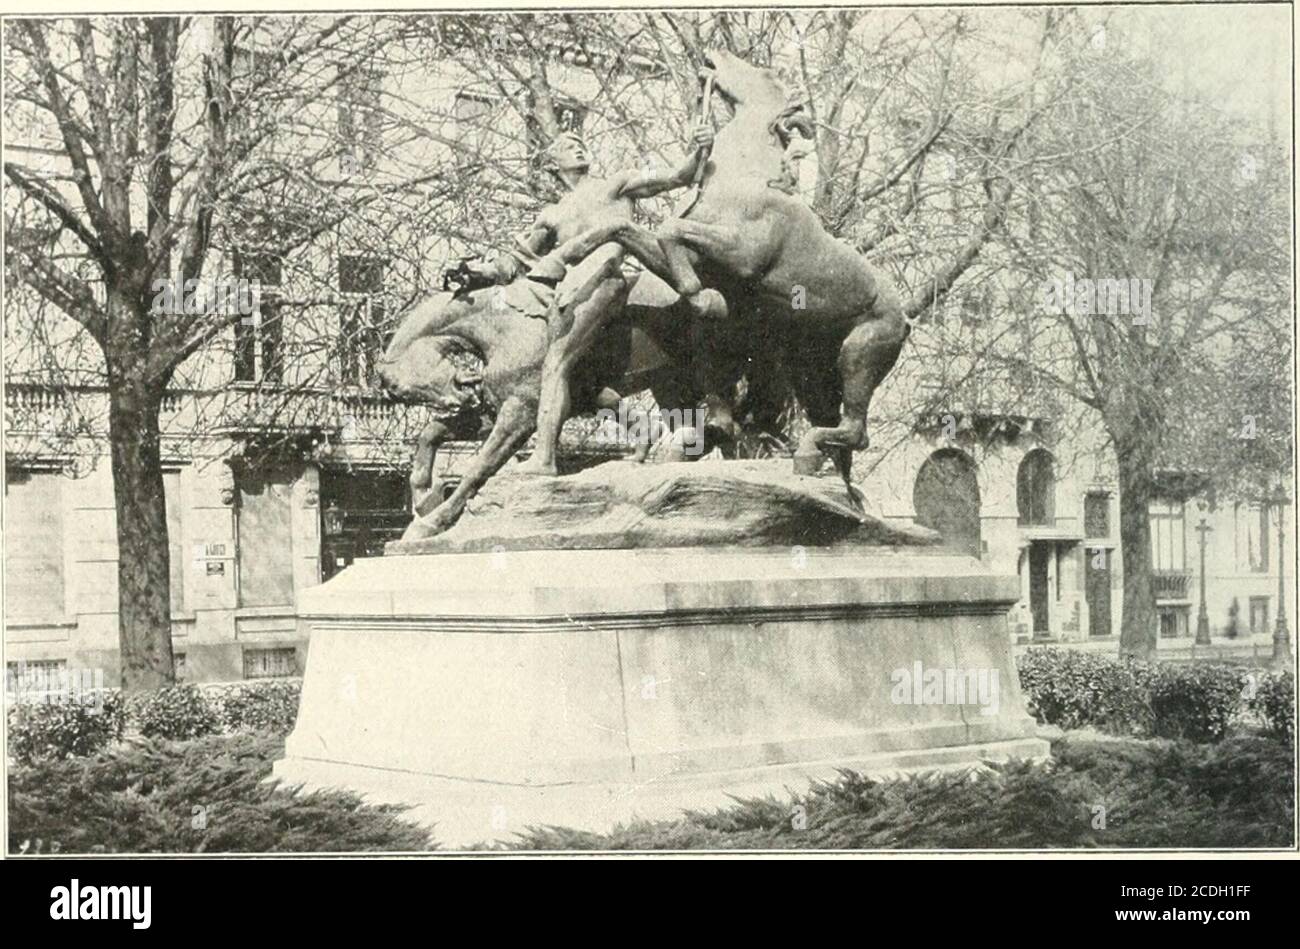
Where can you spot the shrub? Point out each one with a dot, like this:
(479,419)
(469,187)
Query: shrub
(42,732)
(1272,702)
(1071,689)
(1235,793)
(269,706)
(209,795)
(1196,701)
(177,712)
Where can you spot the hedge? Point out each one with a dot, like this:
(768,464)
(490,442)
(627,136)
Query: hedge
(87,723)
(177,712)
(42,732)
(267,707)
(1198,701)
(1270,700)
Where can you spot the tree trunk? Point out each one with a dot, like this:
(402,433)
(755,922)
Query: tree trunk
(143,561)
(1138,629)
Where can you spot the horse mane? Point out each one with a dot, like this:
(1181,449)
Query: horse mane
(792,116)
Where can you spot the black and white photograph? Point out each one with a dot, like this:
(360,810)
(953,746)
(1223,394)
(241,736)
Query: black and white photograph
(687,430)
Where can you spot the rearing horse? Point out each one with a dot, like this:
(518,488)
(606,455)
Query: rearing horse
(839,325)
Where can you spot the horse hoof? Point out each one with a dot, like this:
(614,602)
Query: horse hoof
(534,469)
(855,500)
(708,304)
(808,464)
(416,530)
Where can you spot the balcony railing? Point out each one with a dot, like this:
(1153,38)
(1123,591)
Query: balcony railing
(357,413)
(1171,584)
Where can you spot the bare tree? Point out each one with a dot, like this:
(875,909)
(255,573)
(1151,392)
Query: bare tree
(171,141)
(1151,295)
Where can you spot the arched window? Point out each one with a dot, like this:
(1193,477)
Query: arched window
(946,498)
(1036,489)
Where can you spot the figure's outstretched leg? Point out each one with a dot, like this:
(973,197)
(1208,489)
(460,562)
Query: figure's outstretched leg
(638,241)
(514,424)
(575,328)
(665,258)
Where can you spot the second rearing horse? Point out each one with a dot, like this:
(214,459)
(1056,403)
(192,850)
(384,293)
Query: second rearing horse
(837,323)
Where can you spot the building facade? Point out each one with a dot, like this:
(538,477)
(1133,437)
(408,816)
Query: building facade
(282,464)
(1013,493)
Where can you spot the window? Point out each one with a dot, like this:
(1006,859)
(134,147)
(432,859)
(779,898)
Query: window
(259,337)
(175,548)
(33,561)
(253,77)
(270,663)
(946,498)
(1096,515)
(1168,536)
(31,677)
(475,119)
(1036,489)
(372,508)
(1259,614)
(361,119)
(977,305)
(364,329)
(1173,621)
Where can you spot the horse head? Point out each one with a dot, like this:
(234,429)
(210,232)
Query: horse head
(443,372)
(756,95)
(428,362)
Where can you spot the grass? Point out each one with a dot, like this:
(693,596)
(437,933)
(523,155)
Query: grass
(207,795)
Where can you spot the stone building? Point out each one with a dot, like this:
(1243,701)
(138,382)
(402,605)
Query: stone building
(282,461)
(1015,494)
(283,465)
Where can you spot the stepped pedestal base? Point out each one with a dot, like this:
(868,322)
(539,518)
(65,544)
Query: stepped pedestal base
(586,688)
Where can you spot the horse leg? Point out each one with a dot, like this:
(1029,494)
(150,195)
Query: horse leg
(426,447)
(866,356)
(667,259)
(513,425)
(718,243)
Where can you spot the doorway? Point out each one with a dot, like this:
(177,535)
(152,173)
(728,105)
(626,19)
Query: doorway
(1040,556)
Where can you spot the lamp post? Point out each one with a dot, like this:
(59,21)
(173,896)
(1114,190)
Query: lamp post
(1281,633)
(1202,615)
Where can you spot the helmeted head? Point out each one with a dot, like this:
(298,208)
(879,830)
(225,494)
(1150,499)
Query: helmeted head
(568,153)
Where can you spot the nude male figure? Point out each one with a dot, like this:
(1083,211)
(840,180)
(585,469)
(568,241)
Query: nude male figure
(580,282)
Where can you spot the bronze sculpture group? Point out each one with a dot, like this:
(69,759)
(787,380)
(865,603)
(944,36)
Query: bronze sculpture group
(743,298)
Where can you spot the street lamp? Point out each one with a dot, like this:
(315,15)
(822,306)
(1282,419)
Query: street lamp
(333,520)
(1281,634)
(1202,616)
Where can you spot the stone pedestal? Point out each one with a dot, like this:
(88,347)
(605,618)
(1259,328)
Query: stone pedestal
(584,688)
